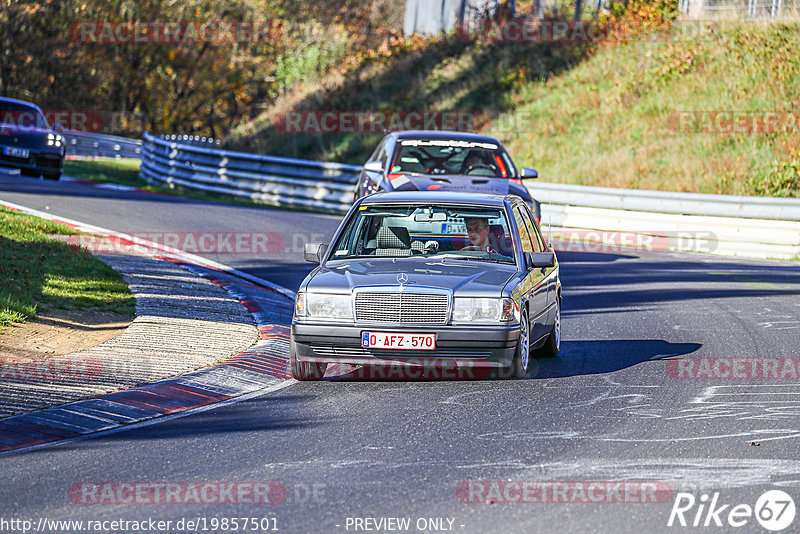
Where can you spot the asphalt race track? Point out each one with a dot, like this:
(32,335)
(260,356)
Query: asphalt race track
(613,407)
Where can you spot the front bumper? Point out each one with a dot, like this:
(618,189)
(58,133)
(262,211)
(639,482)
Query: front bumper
(45,161)
(471,346)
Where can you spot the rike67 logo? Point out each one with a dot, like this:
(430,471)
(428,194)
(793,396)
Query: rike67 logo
(774,510)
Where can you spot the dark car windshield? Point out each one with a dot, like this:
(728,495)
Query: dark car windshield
(21,116)
(452,156)
(466,233)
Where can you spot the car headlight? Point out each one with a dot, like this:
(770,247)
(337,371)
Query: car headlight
(482,310)
(323,306)
(55,140)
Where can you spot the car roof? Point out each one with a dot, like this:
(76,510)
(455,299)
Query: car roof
(443,134)
(23,102)
(445,197)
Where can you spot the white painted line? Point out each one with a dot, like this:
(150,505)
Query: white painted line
(179,254)
(737,395)
(163,249)
(116,187)
(159,419)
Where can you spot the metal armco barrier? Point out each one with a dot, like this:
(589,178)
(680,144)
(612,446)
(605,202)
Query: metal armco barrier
(266,179)
(760,227)
(85,144)
(756,227)
(730,236)
(784,209)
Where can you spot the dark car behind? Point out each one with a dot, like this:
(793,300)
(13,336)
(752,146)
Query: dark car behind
(27,142)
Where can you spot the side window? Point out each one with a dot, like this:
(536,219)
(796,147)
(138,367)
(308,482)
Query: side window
(365,183)
(376,154)
(538,243)
(540,237)
(524,234)
(384,156)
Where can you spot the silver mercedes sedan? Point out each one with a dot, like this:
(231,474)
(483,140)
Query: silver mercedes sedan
(416,281)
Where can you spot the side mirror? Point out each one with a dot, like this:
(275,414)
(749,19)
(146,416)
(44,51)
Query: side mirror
(373,166)
(541,260)
(529,173)
(58,128)
(314,252)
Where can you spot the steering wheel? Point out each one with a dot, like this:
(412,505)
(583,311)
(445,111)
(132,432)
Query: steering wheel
(472,248)
(478,167)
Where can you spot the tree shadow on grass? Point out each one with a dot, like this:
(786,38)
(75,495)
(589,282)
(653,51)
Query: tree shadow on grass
(448,74)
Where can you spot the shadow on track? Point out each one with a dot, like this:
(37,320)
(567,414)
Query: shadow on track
(649,279)
(606,356)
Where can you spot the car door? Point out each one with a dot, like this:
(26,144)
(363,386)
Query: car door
(534,277)
(552,279)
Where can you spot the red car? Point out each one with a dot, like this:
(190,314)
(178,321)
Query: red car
(444,161)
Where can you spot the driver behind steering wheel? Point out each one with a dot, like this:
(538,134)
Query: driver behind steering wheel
(480,239)
(475,159)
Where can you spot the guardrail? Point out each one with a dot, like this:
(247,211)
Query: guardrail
(760,227)
(784,209)
(85,144)
(266,179)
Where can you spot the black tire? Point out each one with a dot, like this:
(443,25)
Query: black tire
(52,176)
(520,364)
(553,344)
(32,173)
(306,370)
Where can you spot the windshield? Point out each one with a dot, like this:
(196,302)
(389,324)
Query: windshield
(449,156)
(21,116)
(466,233)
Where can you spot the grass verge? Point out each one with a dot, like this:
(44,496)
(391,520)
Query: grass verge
(607,113)
(38,272)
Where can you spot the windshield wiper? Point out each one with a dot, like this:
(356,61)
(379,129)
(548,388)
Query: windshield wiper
(467,257)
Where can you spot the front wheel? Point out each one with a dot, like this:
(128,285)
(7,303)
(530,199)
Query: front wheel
(520,364)
(553,344)
(52,176)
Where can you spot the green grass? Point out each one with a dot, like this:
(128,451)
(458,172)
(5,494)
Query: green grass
(584,114)
(118,171)
(610,121)
(38,272)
